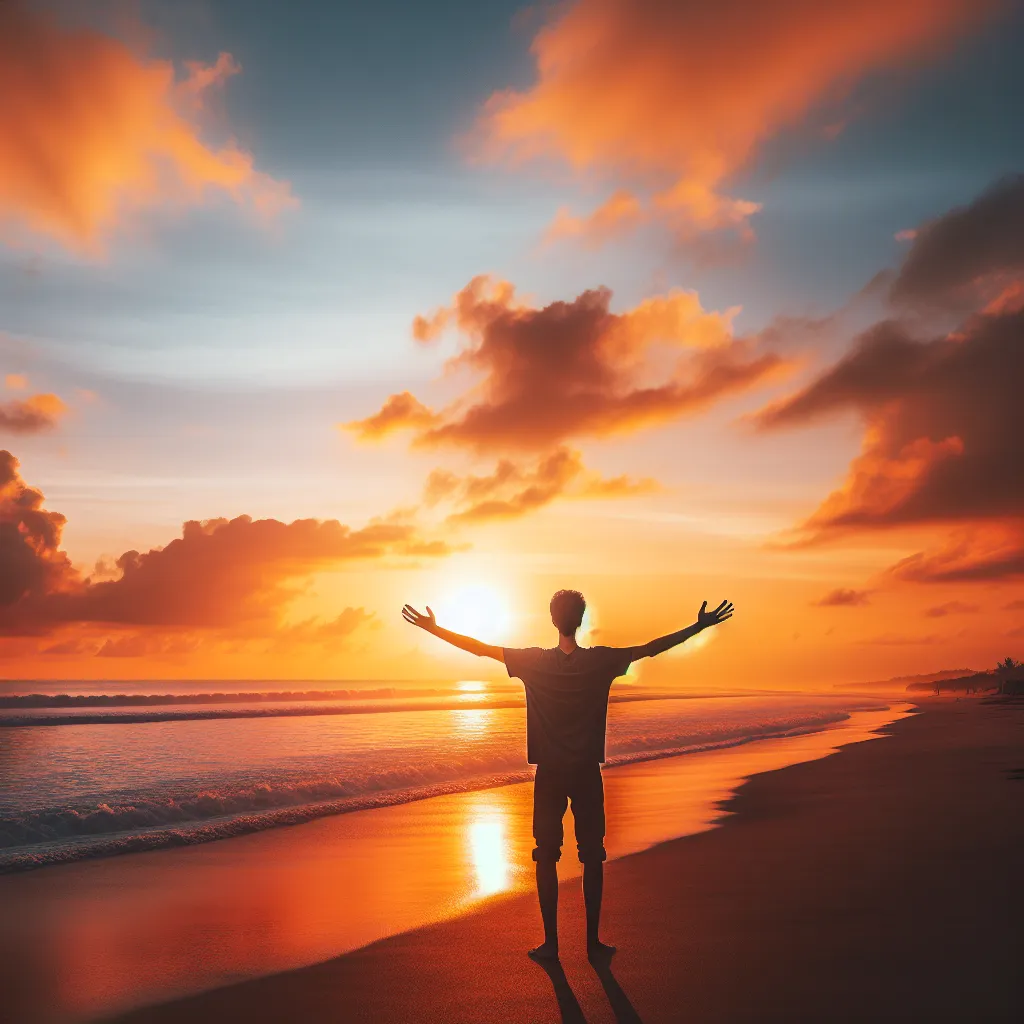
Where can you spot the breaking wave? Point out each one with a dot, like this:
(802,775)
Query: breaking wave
(102,709)
(36,837)
(106,700)
(278,711)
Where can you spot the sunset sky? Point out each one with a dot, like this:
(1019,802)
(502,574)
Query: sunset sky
(309,310)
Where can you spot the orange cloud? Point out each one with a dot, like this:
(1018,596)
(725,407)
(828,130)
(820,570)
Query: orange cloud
(513,490)
(31,415)
(622,486)
(161,643)
(573,369)
(619,214)
(143,645)
(16,381)
(77,645)
(900,640)
(330,632)
(225,573)
(678,95)
(234,575)
(530,490)
(90,131)
(399,412)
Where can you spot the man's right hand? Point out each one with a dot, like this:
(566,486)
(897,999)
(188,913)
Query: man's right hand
(427,622)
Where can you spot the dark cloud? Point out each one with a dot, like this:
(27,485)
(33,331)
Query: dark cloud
(940,611)
(877,370)
(971,559)
(843,598)
(944,439)
(968,247)
(31,562)
(944,416)
(573,369)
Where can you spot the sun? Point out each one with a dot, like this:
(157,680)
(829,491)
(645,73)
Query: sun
(476,610)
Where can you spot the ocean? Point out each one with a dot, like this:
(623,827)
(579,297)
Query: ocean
(108,769)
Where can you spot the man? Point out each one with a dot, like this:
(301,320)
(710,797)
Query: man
(566,714)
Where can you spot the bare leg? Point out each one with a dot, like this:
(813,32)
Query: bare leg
(593,890)
(547,893)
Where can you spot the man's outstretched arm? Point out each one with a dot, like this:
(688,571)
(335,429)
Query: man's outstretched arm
(705,619)
(464,643)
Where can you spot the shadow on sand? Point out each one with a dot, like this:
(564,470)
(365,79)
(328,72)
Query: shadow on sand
(624,1011)
(569,1005)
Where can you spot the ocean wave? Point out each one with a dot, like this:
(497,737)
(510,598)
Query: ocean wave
(303,711)
(78,700)
(457,700)
(38,837)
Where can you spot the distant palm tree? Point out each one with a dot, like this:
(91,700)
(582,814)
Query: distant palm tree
(1005,670)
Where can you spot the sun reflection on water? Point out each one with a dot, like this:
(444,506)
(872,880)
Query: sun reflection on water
(472,721)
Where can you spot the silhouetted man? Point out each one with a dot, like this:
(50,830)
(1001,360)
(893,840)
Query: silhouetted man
(566,714)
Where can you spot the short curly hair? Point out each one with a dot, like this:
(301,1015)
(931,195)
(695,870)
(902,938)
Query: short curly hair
(567,608)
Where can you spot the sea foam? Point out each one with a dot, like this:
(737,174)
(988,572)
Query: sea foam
(167,812)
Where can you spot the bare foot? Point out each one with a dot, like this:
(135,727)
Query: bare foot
(598,950)
(546,951)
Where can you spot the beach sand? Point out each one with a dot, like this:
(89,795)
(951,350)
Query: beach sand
(882,883)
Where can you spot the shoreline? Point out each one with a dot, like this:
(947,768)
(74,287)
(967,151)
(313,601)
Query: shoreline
(145,928)
(261,816)
(882,883)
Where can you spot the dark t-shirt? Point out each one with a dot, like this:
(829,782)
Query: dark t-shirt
(566,699)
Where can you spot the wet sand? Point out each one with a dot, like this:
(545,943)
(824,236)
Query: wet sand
(883,883)
(86,940)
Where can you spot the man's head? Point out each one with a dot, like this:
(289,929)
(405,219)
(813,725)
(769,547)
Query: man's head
(567,608)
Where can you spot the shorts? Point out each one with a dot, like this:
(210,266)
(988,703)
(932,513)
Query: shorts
(554,787)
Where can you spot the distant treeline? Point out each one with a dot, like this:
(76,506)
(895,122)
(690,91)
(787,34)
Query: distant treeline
(1006,678)
(92,700)
(976,682)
